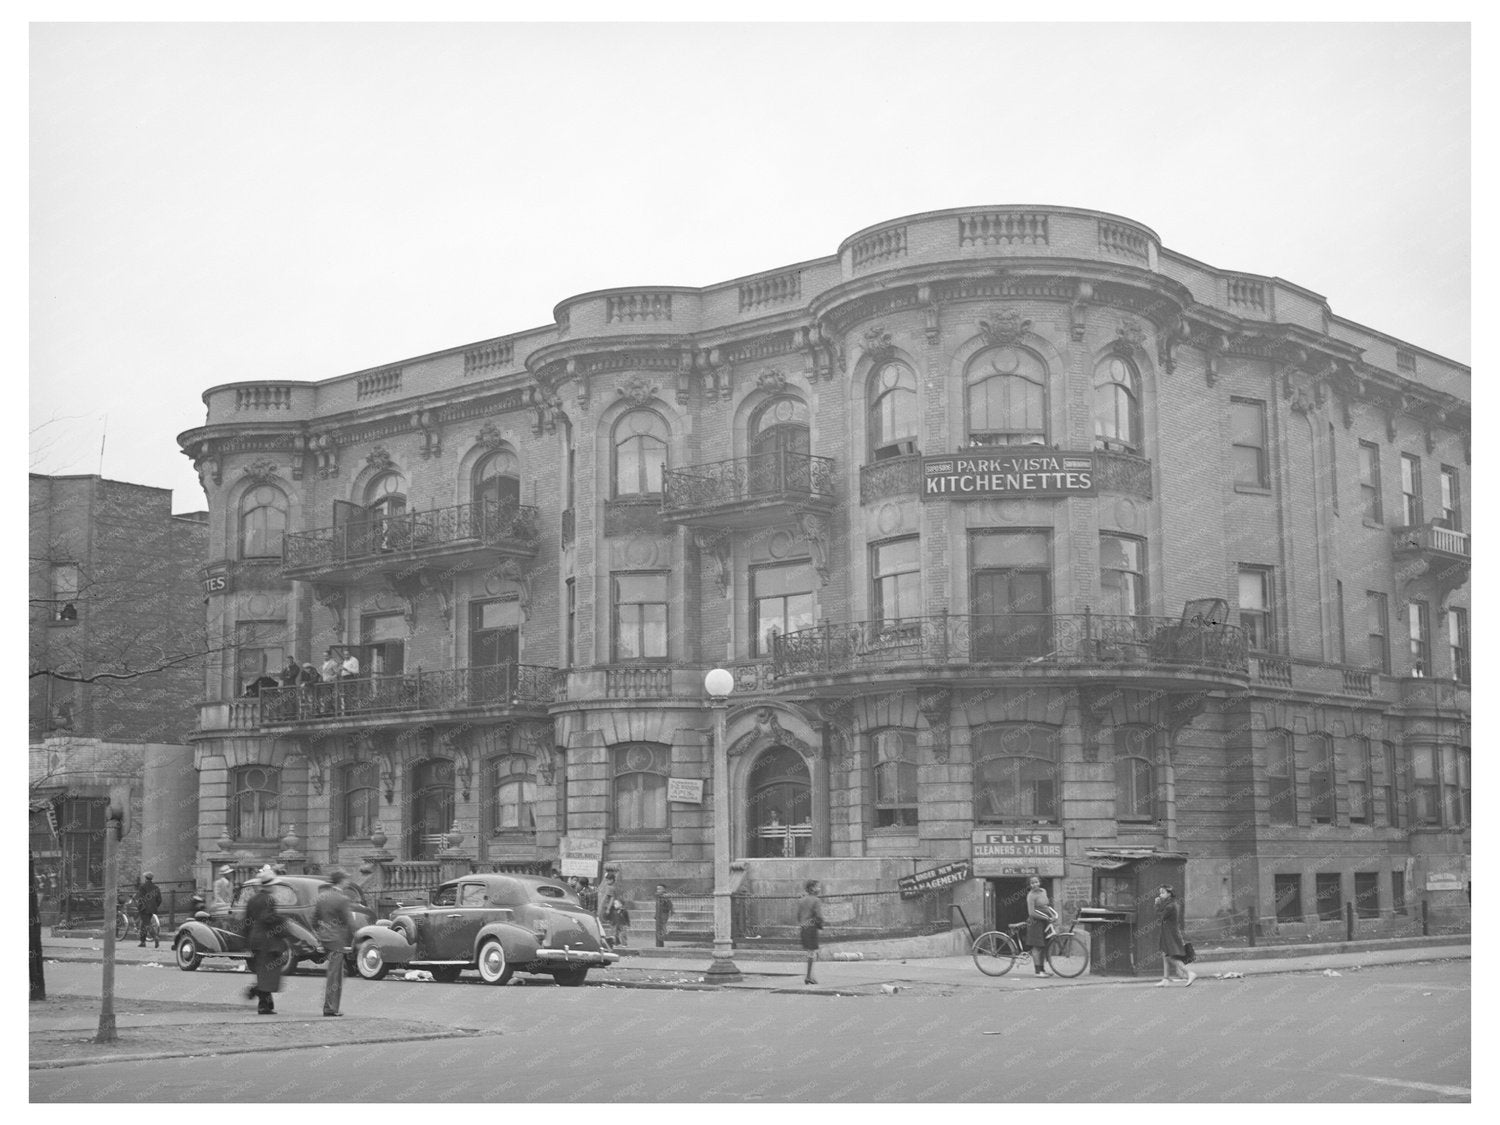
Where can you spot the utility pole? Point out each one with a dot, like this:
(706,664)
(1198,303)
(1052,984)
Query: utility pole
(114,828)
(38,978)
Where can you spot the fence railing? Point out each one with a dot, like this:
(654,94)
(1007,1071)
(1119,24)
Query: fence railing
(498,685)
(80,907)
(1344,921)
(761,476)
(1011,638)
(483,521)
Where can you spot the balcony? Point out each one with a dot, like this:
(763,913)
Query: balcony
(462,536)
(500,689)
(1032,646)
(747,491)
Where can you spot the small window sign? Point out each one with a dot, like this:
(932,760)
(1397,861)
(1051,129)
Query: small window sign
(685,790)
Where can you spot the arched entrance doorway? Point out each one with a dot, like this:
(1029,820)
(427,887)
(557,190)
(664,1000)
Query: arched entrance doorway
(430,807)
(780,804)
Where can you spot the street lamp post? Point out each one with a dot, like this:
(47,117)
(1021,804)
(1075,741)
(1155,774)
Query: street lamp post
(722,970)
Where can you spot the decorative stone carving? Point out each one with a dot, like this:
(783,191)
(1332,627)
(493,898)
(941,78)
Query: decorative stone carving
(262,471)
(316,776)
(637,391)
(453,745)
(815,530)
(935,705)
(1302,401)
(408,585)
(1005,328)
(713,546)
(379,459)
(878,345)
(1130,338)
(512,571)
(425,422)
(771,381)
(1168,336)
(210,466)
(1078,310)
(325,450)
(488,436)
(332,599)
(549,411)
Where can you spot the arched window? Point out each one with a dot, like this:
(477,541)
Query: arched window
(893,768)
(497,480)
(384,496)
(640,453)
(1006,398)
(1135,773)
(262,522)
(640,786)
(512,794)
(359,799)
(1016,773)
(1117,410)
(893,411)
(254,806)
(430,808)
(780,444)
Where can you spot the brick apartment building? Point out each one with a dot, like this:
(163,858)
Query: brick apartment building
(1032,545)
(116,661)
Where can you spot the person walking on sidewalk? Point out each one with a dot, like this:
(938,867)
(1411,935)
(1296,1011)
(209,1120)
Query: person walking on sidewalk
(809,923)
(223,892)
(267,941)
(334,923)
(147,903)
(1169,938)
(1039,914)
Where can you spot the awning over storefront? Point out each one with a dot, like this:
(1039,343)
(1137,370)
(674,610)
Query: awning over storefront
(1109,859)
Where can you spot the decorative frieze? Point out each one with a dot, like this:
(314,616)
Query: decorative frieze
(637,391)
(878,347)
(762,347)
(262,470)
(1005,328)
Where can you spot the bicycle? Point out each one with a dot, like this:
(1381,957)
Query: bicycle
(127,917)
(995,951)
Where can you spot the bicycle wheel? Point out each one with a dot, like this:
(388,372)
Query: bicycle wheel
(994,953)
(122,925)
(1068,954)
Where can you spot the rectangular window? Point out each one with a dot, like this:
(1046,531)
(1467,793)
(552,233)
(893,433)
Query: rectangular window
(1288,898)
(1361,782)
(640,617)
(1329,888)
(1411,490)
(1388,794)
(494,643)
(1320,779)
(1338,596)
(1010,584)
(1122,575)
(260,652)
(1369,482)
(1465,796)
(1420,638)
(895,580)
(1398,893)
(1256,617)
(1247,427)
(572,641)
(1453,516)
(64,606)
(1333,468)
(1425,810)
(1458,643)
(1367,894)
(1453,815)
(383,637)
(894,762)
(1281,777)
(1379,653)
(781,601)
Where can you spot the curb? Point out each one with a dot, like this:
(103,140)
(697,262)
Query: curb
(59,1064)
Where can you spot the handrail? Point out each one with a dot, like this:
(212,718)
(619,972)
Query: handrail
(760,476)
(484,521)
(444,690)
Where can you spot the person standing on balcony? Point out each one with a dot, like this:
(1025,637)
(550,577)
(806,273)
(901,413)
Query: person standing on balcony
(809,923)
(291,673)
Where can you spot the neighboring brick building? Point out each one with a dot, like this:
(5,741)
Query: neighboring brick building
(116,655)
(536,545)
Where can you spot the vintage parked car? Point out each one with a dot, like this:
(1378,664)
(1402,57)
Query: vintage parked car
(497,924)
(225,936)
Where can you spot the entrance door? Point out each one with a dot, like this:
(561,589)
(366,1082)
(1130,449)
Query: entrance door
(430,809)
(780,813)
(779,449)
(1005,901)
(494,648)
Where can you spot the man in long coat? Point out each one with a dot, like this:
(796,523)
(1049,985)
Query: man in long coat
(267,941)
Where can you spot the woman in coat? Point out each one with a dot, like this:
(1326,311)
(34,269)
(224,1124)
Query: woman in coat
(1169,938)
(266,938)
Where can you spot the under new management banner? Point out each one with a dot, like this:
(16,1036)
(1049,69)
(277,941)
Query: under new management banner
(985,475)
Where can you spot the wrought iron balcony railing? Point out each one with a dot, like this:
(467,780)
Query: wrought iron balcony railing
(777,475)
(483,522)
(453,689)
(1040,639)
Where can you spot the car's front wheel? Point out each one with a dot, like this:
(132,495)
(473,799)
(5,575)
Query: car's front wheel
(571,978)
(493,966)
(370,962)
(188,957)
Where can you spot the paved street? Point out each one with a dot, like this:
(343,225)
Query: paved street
(1391,1033)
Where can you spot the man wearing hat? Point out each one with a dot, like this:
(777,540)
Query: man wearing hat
(334,923)
(223,892)
(147,903)
(267,941)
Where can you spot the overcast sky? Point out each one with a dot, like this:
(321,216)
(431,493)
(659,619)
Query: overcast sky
(221,202)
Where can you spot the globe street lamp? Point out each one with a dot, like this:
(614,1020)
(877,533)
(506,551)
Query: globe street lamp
(722,970)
